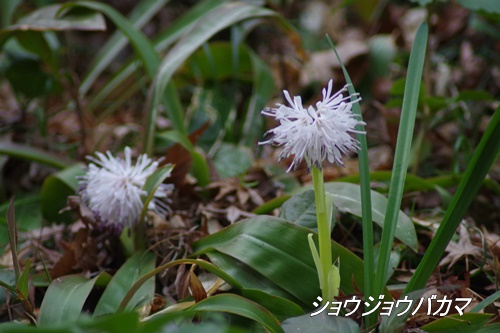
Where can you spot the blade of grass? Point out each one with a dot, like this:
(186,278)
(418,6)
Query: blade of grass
(366,204)
(140,15)
(402,154)
(485,155)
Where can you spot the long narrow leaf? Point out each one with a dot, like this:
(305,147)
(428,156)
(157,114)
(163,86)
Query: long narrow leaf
(402,155)
(365,191)
(141,44)
(161,43)
(211,23)
(33,154)
(140,16)
(485,155)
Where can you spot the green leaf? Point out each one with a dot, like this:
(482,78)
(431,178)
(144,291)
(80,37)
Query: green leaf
(6,10)
(152,183)
(247,277)
(300,209)
(140,43)
(212,22)
(8,282)
(492,328)
(231,160)
(467,323)
(117,323)
(347,198)
(65,297)
(487,301)
(135,267)
(23,282)
(50,18)
(262,91)
(489,6)
(28,216)
(279,251)
(238,305)
(320,323)
(481,162)
(140,16)
(402,155)
(29,153)
(280,307)
(55,190)
(161,44)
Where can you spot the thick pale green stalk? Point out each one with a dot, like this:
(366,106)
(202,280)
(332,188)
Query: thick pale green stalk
(324,238)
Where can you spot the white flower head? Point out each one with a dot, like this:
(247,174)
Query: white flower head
(316,133)
(112,188)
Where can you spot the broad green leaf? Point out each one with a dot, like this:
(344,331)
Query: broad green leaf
(65,297)
(17,150)
(55,190)
(231,160)
(247,277)
(280,307)
(347,198)
(279,251)
(467,323)
(300,209)
(116,323)
(489,6)
(135,267)
(320,323)
(492,328)
(238,305)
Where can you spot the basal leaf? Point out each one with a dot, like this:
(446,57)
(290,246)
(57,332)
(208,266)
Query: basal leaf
(279,250)
(65,297)
(135,267)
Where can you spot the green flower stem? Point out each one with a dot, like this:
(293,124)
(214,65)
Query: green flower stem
(325,242)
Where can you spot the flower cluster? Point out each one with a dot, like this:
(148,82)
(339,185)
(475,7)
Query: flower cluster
(315,133)
(113,188)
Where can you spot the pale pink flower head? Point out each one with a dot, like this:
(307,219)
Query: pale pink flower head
(113,188)
(316,133)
